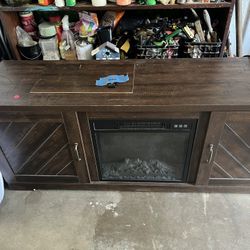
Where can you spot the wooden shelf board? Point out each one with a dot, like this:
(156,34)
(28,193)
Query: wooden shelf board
(88,7)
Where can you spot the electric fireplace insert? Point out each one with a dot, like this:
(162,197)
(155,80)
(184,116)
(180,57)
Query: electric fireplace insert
(143,150)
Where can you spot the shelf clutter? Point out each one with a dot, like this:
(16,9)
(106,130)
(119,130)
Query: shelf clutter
(118,34)
(113,4)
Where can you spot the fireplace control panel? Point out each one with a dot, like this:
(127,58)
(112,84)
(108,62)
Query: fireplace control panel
(145,125)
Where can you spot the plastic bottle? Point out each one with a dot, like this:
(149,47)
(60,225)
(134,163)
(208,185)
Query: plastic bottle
(99,3)
(59,3)
(70,3)
(67,44)
(123,2)
(45,2)
(56,20)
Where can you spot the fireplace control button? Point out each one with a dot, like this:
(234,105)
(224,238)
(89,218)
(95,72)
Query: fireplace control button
(180,126)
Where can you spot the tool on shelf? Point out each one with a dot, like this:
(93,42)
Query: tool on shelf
(211,32)
(119,35)
(198,26)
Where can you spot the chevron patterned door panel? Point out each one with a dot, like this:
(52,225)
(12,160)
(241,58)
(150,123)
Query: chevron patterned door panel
(37,147)
(232,159)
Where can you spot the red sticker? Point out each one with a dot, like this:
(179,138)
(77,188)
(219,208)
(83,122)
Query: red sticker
(16,97)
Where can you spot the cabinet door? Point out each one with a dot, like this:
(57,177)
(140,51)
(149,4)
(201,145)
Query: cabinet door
(41,148)
(226,155)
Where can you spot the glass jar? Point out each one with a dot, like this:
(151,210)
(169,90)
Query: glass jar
(49,48)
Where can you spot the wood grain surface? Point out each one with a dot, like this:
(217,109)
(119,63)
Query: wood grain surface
(232,160)
(171,85)
(83,80)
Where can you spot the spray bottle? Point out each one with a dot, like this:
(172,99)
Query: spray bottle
(67,44)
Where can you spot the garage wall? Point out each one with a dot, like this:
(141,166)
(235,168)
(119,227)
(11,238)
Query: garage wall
(246,29)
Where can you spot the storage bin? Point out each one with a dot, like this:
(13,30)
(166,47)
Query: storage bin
(155,52)
(200,50)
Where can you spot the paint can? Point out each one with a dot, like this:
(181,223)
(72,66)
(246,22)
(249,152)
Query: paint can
(28,23)
(47,29)
(30,51)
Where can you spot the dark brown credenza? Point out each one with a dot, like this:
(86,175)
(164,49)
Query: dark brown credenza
(46,141)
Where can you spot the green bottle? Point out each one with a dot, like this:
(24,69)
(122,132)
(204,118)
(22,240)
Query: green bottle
(70,3)
(150,2)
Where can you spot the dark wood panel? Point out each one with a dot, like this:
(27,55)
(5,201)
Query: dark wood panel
(88,145)
(219,172)
(3,127)
(215,127)
(74,136)
(230,182)
(59,163)
(30,145)
(59,82)
(198,146)
(236,145)
(41,116)
(232,160)
(230,164)
(13,135)
(142,115)
(240,131)
(50,149)
(242,187)
(239,116)
(47,179)
(67,170)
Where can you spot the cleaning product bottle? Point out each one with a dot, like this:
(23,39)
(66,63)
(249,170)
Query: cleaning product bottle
(67,44)
(70,3)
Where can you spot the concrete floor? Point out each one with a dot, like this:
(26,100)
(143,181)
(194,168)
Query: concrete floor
(83,220)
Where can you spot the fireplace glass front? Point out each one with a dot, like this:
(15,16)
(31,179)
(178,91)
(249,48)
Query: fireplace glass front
(157,151)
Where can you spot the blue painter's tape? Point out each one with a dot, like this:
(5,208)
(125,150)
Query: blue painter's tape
(103,81)
(32,7)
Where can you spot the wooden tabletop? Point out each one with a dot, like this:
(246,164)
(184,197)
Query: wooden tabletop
(170,85)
